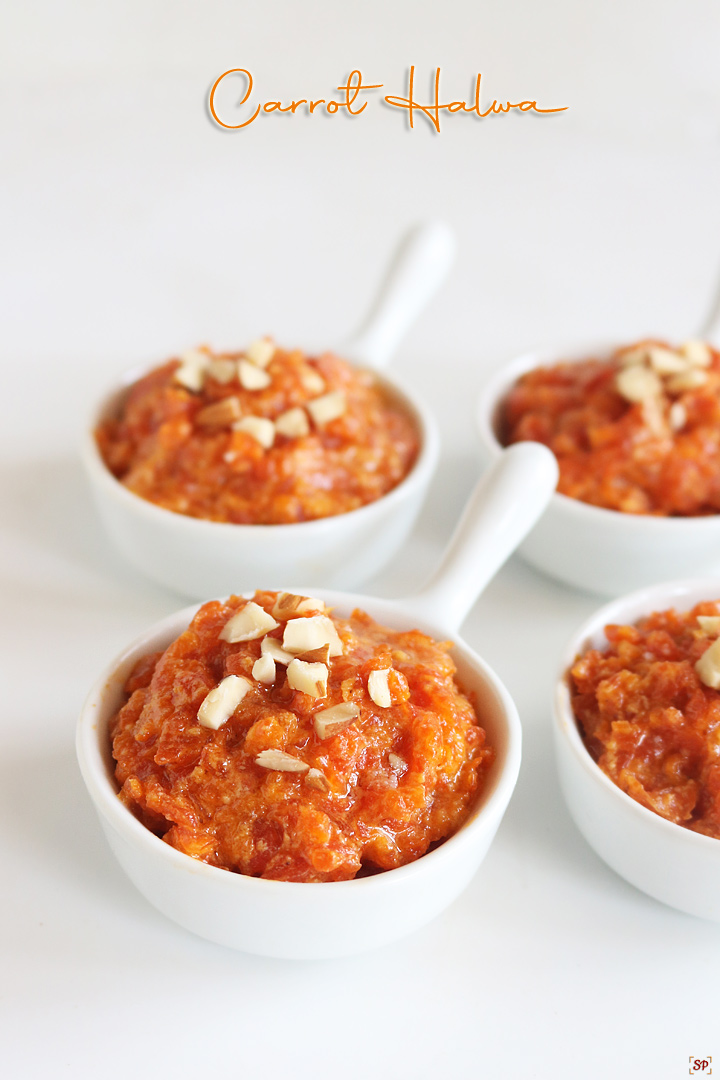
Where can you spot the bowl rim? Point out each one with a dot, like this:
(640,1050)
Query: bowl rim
(640,602)
(421,471)
(104,794)
(490,399)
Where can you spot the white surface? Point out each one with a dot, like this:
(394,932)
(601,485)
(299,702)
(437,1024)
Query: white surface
(132,228)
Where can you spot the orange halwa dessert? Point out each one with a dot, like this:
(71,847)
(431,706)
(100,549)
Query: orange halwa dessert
(639,433)
(648,707)
(277,740)
(262,437)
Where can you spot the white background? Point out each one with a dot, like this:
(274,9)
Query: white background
(132,227)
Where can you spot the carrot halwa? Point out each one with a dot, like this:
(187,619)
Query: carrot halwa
(279,741)
(262,437)
(648,708)
(639,432)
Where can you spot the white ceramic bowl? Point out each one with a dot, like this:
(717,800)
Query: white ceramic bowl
(206,558)
(673,864)
(292,920)
(603,551)
(209,558)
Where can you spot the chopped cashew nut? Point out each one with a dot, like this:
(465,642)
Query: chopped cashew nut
(311,679)
(328,407)
(637,383)
(328,722)
(252,377)
(264,669)
(260,352)
(313,656)
(708,666)
(260,429)
(709,623)
(279,761)
(302,635)
(221,703)
(249,623)
(379,688)
(293,424)
(697,353)
(288,604)
(270,646)
(220,414)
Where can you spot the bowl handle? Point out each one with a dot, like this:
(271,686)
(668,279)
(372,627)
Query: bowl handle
(419,268)
(507,501)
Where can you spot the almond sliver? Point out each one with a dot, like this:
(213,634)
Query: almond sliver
(220,414)
(270,646)
(310,679)
(264,669)
(252,377)
(288,604)
(293,424)
(379,688)
(259,428)
(249,623)
(314,778)
(708,666)
(637,383)
(312,381)
(221,703)
(279,761)
(697,353)
(328,722)
(690,379)
(222,370)
(666,361)
(260,352)
(191,371)
(637,355)
(328,407)
(303,635)
(677,416)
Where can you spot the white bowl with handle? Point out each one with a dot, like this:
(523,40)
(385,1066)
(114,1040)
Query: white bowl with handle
(308,920)
(671,863)
(199,558)
(589,547)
